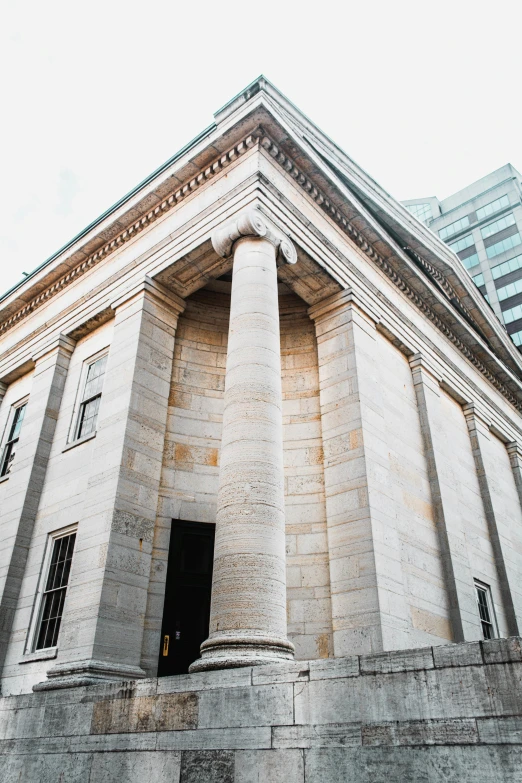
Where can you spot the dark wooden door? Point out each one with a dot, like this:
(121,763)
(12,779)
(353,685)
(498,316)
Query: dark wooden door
(186,612)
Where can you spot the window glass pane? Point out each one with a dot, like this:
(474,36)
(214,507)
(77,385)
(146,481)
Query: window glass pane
(94,381)
(55,591)
(470,261)
(508,266)
(498,225)
(421,211)
(9,450)
(17,422)
(513,314)
(448,231)
(89,416)
(478,280)
(501,247)
(484,604)
(516,337)
(462,243)
(509,290)
(492,207)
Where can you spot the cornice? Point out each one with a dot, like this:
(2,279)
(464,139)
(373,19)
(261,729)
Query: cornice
(319,197)
(222,162)
(331,210)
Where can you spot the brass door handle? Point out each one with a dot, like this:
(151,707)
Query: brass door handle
(166,640)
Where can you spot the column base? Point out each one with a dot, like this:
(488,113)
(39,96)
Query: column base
(229,652)
(76,674)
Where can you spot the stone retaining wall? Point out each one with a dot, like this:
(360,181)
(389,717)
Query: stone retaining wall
(451,713)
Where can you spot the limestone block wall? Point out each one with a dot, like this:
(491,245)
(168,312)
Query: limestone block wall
(60,505)
(445,713)
(190,471)
(308,569)
(507,509)
(468,524)
(191,460)
(415,605)
(15,392)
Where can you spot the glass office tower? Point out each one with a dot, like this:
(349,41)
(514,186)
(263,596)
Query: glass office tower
(483,225)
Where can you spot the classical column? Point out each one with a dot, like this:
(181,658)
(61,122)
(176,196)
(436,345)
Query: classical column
(248,613)
(102,630)
(27,476)
(504,549)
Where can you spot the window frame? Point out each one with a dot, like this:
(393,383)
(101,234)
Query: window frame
(6,440)
(486,589)
(80,401)
(39,600)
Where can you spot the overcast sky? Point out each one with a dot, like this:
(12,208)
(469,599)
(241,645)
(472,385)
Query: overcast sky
(423,95)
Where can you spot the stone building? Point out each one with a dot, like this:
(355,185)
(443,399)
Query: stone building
(258,407)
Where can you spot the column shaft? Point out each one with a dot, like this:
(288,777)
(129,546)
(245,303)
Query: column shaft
(248,613)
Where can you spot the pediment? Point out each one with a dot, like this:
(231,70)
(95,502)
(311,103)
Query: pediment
(416,261)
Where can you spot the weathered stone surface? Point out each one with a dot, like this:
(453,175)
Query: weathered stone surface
(330,735)
(211,766)
(502,650)
(262,705)
(136,767)
(458,655)
(427,732)
(167,712)
(269,766)
(334,669)
(409,660)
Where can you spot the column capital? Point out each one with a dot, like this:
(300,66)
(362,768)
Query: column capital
(252,223)
(3,389)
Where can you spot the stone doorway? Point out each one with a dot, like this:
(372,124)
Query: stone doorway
(188,591)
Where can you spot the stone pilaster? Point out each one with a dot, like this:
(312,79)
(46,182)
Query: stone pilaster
(499,534)
(248,613)
(27,476)
(3,389)
(102,629)
(444,493)
(369,612)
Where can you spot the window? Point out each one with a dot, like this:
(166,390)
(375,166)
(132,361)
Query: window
(448,231)
(492,207)
(462,243)
(498,225)
(53,597)
(421,211)
(516,337)
(13,436)
(90,398)
(478,280)
(508,266)
(513,314)
(501,247)
(509,290)
(485,607)
(470,261)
